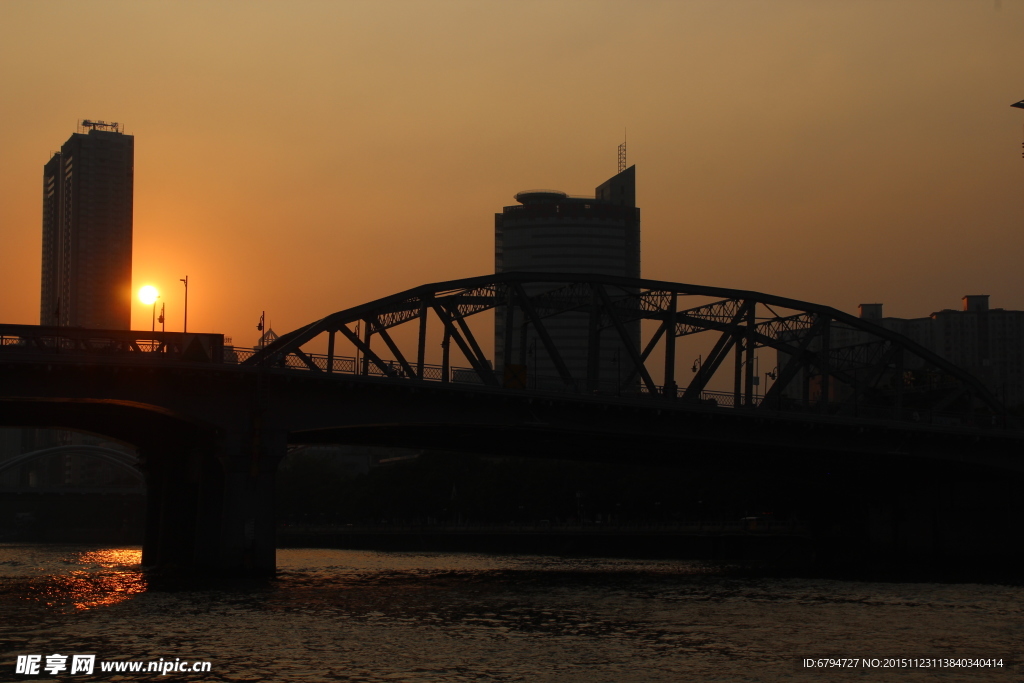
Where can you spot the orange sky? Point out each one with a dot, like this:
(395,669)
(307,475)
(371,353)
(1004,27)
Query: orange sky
(304,157)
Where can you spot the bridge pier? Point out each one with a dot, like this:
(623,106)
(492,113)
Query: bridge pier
(247,542)
(210,506)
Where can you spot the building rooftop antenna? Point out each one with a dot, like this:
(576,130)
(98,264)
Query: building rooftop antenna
(622,152)
(86,123)
(1019,105)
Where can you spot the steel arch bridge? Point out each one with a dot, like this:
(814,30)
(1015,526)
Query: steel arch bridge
(829,362)
(211,431)
(124,462)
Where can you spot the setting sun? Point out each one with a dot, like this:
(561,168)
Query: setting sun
(148,295)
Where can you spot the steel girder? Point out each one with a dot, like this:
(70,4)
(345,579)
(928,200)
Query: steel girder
(868,369)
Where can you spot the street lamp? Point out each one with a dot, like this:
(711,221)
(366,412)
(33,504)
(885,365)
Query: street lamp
(148,295)
(1019,105)
(185,280)
(772,375)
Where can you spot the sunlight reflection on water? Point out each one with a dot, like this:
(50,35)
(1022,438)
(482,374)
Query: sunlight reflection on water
(82,580)
(373,616)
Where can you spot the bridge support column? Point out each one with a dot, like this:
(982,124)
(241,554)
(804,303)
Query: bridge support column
(211,509)
(182,483)
(247,542)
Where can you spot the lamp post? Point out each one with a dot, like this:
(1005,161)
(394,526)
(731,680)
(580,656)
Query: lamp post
(148,295)
(1019,105)
(772,375)
(185,280)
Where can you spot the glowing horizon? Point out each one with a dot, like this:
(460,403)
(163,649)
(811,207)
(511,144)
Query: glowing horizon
(838,153)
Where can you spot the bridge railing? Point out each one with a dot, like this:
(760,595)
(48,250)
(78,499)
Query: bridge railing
(353,366)
(349,365)
(163,346)
(153,345)
(751,525)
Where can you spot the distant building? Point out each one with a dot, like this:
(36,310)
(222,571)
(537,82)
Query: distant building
(267,338)
(550,231)
(87,256)
(87,230)
(988,343)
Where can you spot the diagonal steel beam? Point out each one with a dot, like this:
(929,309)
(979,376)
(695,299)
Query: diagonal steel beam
(717,355)
(486,376)
(545,338)
(666,325)
(382,331)
(467,334)
(367,351)
(796,361)
(634,355)
(307,360)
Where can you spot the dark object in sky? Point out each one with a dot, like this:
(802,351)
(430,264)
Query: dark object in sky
(1019,105)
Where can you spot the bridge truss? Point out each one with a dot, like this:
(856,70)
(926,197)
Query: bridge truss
(826,361)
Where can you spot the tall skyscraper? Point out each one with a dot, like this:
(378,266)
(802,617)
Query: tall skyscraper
(551,231)
(87,230)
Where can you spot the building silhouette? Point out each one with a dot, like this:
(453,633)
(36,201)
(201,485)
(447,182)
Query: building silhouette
(87,230)
(87,256)
(987,342)
(550,231)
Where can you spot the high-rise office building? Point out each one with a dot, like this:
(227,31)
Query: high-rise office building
(550,231)
(987,342)
(87,230)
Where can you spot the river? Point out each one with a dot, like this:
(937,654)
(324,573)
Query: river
(342,615)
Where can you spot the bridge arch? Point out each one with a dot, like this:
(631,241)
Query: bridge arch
(828,361)
(123,461)
(141,424)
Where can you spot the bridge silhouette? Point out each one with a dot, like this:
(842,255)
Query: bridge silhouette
(122,461)
(211,423)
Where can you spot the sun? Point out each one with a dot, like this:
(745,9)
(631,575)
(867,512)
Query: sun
(148,295)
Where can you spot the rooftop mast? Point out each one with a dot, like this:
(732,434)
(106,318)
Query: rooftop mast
(1019,105)
(622,152)
(93,125)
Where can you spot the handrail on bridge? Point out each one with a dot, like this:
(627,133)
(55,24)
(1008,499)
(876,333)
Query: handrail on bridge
(352,366)
(202,348)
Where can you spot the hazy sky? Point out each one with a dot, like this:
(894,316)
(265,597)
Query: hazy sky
(303,157)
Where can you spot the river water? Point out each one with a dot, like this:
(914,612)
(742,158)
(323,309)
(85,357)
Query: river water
(340,615)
